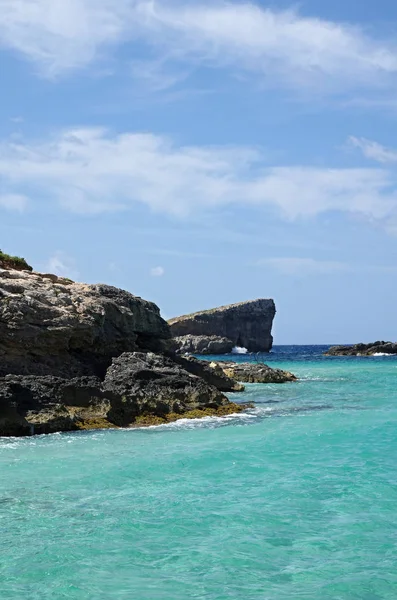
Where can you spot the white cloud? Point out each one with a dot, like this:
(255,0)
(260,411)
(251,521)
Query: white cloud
(62,265)
(93,171)
(59,36)
(373,150)
(303,266)
(157,272)
(17,202)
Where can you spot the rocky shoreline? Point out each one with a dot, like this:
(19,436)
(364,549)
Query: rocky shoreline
(371,349)
(76,357)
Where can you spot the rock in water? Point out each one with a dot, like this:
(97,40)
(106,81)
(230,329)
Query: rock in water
(139,388)
(210,372)
(53,326)
(253,372)
(150,384)
(246,324)
(363,349)
(203,344)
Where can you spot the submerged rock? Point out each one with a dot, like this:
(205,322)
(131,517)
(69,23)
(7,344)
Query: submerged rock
(245,324)
(363,349)
(203,344)
(253,372)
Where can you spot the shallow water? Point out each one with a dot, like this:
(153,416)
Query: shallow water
(295,499)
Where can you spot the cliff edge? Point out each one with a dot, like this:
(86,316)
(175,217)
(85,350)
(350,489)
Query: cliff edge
(245,324)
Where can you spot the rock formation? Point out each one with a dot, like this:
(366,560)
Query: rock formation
(75,356)
(139,388)
(363,349)
(253,372)
(52,326)
(246,324)
(203,344)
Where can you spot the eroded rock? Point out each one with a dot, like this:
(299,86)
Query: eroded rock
(203,344)
(245,324)
(363,349)
(251,372)
(52,326)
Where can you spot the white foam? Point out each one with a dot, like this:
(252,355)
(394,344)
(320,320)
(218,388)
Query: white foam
(382,354)
(239,350)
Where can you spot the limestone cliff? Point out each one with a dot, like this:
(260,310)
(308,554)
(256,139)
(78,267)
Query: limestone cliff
(247,324)
(53,326)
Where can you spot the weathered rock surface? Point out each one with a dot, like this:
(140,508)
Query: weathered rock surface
(155,385)
(363,349)
(75,356)
(203,344)
(137,386)
(246,324)
(52,326)
(253,372)
(210,372)
(34,404)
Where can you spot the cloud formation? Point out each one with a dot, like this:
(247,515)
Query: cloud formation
(157,272)
(373,150)
(92,171)
(296,50)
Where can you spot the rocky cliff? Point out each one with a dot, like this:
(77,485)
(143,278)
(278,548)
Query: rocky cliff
(246,324)
(53,326)
(75,356)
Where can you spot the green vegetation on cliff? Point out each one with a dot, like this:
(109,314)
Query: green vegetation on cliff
(13,262)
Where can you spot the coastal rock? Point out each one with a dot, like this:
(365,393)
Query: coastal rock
(211,373)
(53,326)
(253,372)
(151,384)
(36,405)
(203,344)
(245,324)
(363,349)
(139,388)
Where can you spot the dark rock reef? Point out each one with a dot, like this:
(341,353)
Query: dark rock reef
(203,344)
(363,349)
(245,324)
(139,388)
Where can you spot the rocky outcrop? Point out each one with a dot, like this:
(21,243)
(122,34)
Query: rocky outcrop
(210,372)
(253,372)
(203,344)
(75,356)
(31,404)
(139,388)
(246,324)
(363,349)
(53,326)
(150,384)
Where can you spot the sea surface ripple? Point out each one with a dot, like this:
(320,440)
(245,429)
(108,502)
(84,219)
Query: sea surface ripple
(295,499)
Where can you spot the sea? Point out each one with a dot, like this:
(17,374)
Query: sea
(294,499)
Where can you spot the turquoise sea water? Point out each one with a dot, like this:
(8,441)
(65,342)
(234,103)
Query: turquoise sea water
(296,499)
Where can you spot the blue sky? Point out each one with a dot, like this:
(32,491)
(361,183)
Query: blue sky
(202,152)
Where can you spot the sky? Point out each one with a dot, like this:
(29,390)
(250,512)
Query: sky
(202,152)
